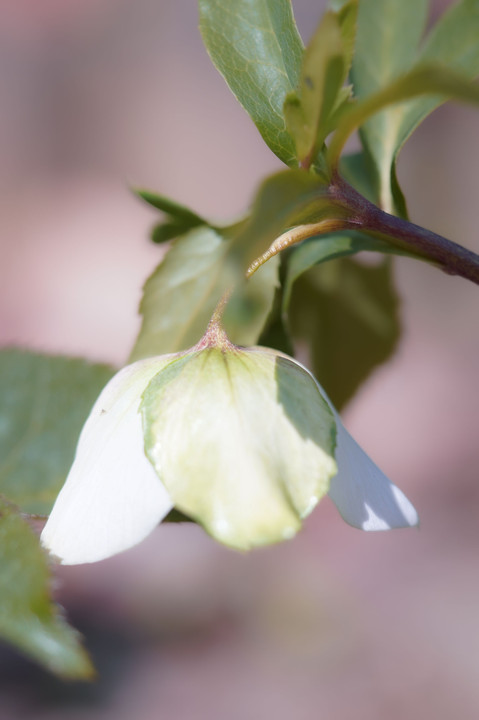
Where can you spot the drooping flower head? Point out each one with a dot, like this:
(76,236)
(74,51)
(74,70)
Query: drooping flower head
(243,441)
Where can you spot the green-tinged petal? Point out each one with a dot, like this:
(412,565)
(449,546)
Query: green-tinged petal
(363,495)
(112,498)
(242,440)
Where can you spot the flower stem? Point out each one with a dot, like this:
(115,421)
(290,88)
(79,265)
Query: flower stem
(215,336)
(367,217)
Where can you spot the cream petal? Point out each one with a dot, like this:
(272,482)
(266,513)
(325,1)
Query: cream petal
(364,496)
(243,441)
(112,498)
(362,493)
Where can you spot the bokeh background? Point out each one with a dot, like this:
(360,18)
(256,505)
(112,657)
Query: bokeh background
(100,95)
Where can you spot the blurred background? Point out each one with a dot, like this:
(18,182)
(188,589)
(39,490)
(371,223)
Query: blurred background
(101,95)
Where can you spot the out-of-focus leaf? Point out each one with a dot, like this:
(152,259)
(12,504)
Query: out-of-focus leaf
(358,170)
(387,46)
(288,198)
(275,333)
(453,42)
(180,219)
(326,63)
(169,230)
(388,34)
(346,314)
(170,207)
(250,305)
(423,80)
(182,293)
(323,248)
(28,618)
(256,46)
(44,402)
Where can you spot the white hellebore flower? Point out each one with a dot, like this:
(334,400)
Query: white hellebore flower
(244,441)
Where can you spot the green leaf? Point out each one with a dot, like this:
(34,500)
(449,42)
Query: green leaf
(358,170)
(387,46)
(256,46)
(424,80)
(323,248)
(388,34)
(28,618)
(325,67)
(288,198)
(44,402)
(180,218)
(275,333)
(250,305)
(182,293)
(347,315)
(170,207)
(163,232)
(453,42)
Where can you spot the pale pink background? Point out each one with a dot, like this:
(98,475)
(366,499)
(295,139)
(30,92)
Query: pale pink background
(97,95)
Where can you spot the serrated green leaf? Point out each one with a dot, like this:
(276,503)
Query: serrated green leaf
(256,46)
(44,402)
(324,70)
(347,315)
(182,293)
(28,618)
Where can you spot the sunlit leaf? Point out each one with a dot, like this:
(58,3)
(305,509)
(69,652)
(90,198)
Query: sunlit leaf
(44,402)
(28,618)
(325,67)
(257,48)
